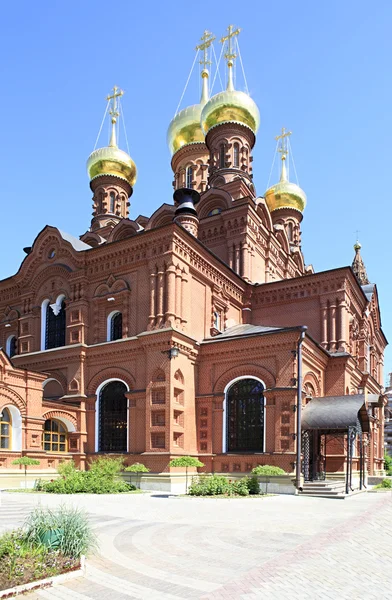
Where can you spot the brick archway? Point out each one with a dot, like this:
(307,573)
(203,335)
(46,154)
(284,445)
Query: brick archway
(249,370)
(107,375)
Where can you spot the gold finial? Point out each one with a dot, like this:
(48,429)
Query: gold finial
(230,54)
(357,245)
(114,113)
(206,41)
(284,150)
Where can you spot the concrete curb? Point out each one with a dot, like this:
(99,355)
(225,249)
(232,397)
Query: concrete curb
(44,583)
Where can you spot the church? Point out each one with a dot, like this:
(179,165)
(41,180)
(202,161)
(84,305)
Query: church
(198,330)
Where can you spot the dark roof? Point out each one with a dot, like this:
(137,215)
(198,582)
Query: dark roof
(336,412)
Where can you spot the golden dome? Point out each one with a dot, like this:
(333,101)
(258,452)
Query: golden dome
(185,128)
(285,194)
(230,106)
(112,161)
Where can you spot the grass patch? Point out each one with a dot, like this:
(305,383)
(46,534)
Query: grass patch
(49,543)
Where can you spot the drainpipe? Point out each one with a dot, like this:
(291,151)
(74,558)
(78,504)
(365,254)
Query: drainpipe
(303,330)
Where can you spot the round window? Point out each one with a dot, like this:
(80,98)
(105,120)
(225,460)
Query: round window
(52,253)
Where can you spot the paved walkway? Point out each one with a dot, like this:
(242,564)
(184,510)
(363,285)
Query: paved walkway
(167,548)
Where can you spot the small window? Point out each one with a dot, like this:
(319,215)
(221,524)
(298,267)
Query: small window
(5,429)
(12,346)
(217,320)
(116,327)
(189,177)
(112,200)
(55,436)
(222,156)
(55,326)
(214,211)
(290,231)
(236,155)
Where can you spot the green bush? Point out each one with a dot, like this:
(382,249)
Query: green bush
(102,478)
(239,487)
(137,468)
(209,485)
(66,529)
(267,470)
(386,483)
(388,463)
(253,485)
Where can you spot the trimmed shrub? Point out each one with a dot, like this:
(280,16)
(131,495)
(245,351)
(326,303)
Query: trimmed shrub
(186,461)
(253,485)
(386,484)
(137,468)
(267,470)
(240,487)
(209,485)
(102,478)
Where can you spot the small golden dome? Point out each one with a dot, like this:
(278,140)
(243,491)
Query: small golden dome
(112,161)
(230,106)
(185,128)
(285,194)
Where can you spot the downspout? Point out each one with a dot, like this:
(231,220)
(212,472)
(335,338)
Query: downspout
(303,330)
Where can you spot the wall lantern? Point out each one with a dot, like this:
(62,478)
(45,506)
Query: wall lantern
(172,352)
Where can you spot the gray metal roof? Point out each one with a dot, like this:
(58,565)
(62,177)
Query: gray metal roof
(77,244)
(368,290)
(244,330)
(335,412)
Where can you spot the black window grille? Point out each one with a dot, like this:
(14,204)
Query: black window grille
(222,156)
(236,155)
(245,416)
(189,177)
(55,328)
(116,327)
(113,418)
(13,346)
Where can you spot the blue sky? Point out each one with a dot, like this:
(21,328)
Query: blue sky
(320,69)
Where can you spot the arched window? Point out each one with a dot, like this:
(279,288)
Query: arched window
(189,177)
(290,231)
(113,418)
(11,346)
(5,430)
(55,436)
(236,155)
(114,326)
(112,200)
(222,156)
(245,416)
(55,324)
(214,211)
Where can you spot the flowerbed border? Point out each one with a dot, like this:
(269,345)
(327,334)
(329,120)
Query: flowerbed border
(47,582)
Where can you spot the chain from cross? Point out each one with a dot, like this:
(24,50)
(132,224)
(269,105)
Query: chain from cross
(116,94)
(283,147)
(230,55)
(357,232)
(206,39)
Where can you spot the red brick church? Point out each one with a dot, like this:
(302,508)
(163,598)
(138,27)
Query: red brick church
(198,330)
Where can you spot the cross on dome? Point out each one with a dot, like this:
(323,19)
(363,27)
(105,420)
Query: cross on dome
(230,54)
(114,112)
(206,39)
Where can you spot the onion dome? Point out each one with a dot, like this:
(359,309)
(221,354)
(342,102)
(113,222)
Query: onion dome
(285,194)
(110,160)
(230,106)
(185,128)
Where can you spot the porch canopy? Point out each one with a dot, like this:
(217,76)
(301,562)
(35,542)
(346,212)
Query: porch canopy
(337,412)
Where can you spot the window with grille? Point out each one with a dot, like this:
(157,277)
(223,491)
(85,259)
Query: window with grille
(222,157)
(113,418)
(55,436)
(189,177)
(12,346)
(116,327)
(55,328)
(245,416)
(236,155)
(112,200)
(5,430)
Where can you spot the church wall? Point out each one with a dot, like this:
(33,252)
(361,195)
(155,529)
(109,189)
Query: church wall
(306,312)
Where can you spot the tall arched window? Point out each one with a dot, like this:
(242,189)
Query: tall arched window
(55,324)
(11,346)
(236,155)
(222,157)
(189,177)
(113,418)
(290,231)
(112,201)
(5,430)
(114,326)
(55,436)
(245,416)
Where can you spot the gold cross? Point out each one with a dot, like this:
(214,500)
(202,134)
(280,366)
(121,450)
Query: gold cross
(206,40)
(283,149)
(116,94)
(230,55)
